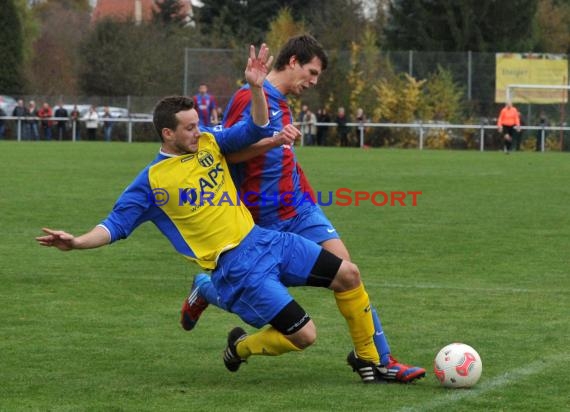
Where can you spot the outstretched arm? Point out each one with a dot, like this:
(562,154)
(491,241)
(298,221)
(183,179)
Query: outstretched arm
(255,74)
(98,236)
(287,136)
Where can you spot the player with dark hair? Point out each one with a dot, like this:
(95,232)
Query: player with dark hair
(268,169)
(206,105)
(252,267)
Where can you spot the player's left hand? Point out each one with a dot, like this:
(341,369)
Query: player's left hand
(56,238)
(287,136)
(258,67)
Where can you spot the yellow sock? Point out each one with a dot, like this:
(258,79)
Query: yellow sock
(355,307)
(268,342)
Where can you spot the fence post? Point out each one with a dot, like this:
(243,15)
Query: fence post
(482,139)
(361,130)
(19,129)
(185,86)
(130,131)
(421,137)
(542,133)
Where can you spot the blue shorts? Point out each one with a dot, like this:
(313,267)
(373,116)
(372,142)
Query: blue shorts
(252,279)
(311,223)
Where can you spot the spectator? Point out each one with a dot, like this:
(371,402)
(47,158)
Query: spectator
(107,124)
(206,106)
(45,114)
(322,131)
(61,112)
(91,120)
(2,126)
(74,116)
(304,109)
(309,127)
(508,123)
(360,118)
(342,128)
(32,122)
(21,111)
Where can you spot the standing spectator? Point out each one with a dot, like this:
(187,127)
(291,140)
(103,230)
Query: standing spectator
(309,127)
(61,112)
(21,111)
(33,128)
(45,113)
(206,106)
(107,124)
(91,120)
(74,116)
(508,123)
(2,126)
(361,119)
(341,127)
(304,109)
(322,131)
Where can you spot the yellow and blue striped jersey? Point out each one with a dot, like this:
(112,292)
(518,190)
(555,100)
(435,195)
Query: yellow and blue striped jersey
(190,198)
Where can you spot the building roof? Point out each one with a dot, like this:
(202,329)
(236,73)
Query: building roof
(135,10)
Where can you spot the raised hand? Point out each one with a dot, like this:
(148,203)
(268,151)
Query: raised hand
(258,67)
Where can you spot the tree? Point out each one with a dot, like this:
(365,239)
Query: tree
(282,28)
(442,98)
(168,12)
(337,23)
(53,67)
(447,25)
(234,22)
(121,58)
(553,26)
(11,49)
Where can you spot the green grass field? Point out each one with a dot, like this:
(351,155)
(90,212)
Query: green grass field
(482,259)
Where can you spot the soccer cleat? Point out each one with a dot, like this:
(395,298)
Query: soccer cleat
(395,371)
(231,357)
(368,371)
(194,304)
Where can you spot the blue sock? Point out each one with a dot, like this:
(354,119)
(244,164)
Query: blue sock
(207,290)
(380,339)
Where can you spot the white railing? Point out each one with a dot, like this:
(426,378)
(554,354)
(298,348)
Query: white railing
(422,128)
(21,121)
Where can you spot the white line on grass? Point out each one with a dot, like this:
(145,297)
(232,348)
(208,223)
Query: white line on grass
(455,395)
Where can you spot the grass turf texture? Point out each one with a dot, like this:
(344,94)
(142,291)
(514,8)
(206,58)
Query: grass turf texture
(482,259)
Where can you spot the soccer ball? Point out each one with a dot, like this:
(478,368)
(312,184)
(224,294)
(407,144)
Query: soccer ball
(458,366)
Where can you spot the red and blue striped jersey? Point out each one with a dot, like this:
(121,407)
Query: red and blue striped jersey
(272,185)
(205,104)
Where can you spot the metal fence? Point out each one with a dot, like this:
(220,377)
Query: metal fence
(420,136)
(474,73)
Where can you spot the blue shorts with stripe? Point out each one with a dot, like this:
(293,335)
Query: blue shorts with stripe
(252,278)
(311,223)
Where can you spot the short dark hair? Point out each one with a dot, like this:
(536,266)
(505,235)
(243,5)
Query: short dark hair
(305,47)
(164,114)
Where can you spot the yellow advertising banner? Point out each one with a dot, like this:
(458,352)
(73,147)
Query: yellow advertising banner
(533,70)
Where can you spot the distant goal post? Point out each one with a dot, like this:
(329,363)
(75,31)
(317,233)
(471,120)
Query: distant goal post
(563,90)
